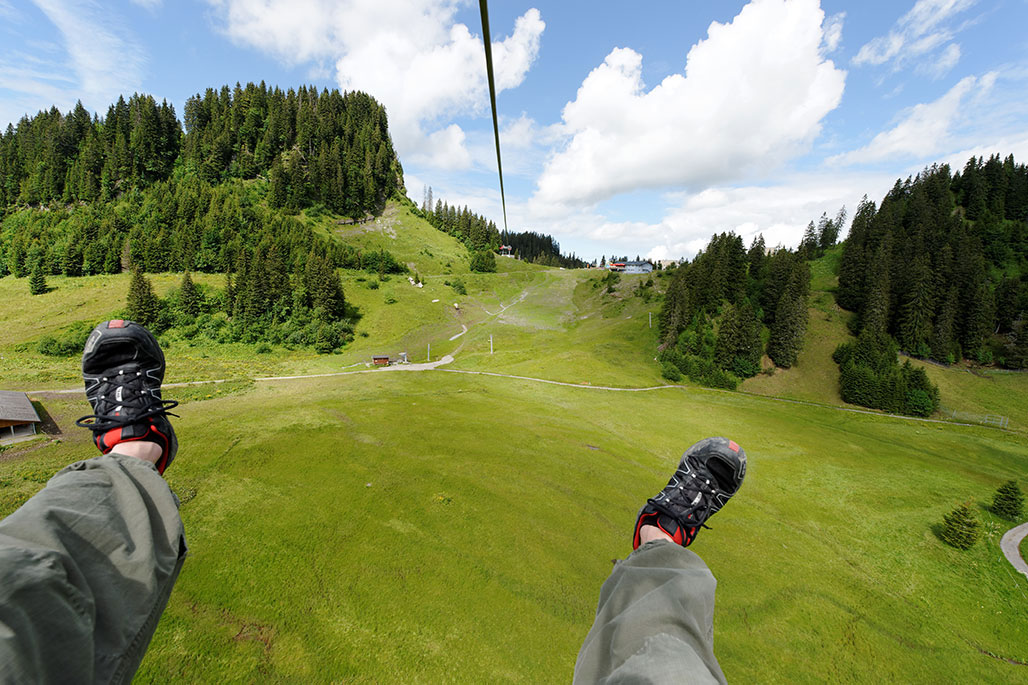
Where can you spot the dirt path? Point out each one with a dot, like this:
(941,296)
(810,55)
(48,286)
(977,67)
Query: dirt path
(1010,544)
(431,366)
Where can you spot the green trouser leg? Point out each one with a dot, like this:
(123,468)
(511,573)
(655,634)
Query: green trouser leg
(86,568)
(654,622)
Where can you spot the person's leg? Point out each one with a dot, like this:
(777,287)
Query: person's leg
(87,565)
(654,622)
(86,568)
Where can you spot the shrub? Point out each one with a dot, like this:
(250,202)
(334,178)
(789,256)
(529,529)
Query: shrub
(459,287)
(961,528)
(483,261)
(1008,502)
(373,285)
(66,343)
(670,372)
(262,348)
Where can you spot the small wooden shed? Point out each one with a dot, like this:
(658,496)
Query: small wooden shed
(18,418)
(380,360)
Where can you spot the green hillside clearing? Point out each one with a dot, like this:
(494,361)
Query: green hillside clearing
(437,526)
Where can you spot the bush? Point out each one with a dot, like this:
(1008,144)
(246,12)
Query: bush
(67,343)
(458,287)
(961,527)
(373,285)
(670,372)
(262,348)
(1008,502)
(483,261)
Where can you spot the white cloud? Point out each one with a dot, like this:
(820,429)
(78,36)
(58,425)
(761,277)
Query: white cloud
(96,60)
(833,32)
(923,131)
(444,149)
(410,55)
(942,64)
(753,95)
(779,212)
(106,60)
(148,4)
(916,34)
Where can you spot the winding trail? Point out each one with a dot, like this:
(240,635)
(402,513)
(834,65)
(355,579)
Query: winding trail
(1010,544)
(434,366)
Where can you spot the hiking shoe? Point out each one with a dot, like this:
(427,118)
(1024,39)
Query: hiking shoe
(123,368)
(711,472)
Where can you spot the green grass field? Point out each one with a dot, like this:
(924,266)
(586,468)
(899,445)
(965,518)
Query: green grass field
(439,526)
(386,526)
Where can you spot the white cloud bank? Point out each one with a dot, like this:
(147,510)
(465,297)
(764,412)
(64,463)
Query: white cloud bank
(411,55)
(753,95)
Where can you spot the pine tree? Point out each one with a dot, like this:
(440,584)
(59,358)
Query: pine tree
(1008,501)
(188,297)
(37,281)
(143,306)
(787,332)
(961,527)
(917,310)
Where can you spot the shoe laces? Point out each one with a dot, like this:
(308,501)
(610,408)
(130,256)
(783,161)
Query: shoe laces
(123,399)
(693,494)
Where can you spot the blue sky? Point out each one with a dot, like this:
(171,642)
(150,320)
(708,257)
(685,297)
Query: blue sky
(626,128)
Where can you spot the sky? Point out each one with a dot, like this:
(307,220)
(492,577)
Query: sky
(625,128)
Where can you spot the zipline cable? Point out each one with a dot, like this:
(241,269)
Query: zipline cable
(492,98)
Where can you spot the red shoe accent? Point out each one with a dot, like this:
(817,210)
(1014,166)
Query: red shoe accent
(732,446)
(110,438)
(116,323)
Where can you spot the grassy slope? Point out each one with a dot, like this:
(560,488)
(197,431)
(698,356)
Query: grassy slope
(815,377)
(495,506)
(472,552)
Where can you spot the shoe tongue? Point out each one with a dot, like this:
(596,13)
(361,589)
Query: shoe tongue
(723,473)
(111,355)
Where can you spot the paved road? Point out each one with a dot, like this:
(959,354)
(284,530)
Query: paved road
(1010,544)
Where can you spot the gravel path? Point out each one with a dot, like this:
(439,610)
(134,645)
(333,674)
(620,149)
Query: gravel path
(1010,546)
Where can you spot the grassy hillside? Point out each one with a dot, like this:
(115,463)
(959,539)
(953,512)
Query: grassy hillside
(438,526)
(363,528)
(815,377)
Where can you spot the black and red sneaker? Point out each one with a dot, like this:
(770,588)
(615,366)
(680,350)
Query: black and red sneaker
(711,472)
(123,367)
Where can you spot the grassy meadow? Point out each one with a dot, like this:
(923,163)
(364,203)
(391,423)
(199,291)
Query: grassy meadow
(439,526)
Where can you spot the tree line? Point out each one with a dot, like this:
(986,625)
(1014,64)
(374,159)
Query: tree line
(539,248)
(728,306)
(938,270)
(84,195)
(326,148)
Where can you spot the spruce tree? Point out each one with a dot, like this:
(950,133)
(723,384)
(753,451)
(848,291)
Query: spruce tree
(143,306)
(1008,501)
(787,331)
(188,297)
(37,281)
(960,527)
